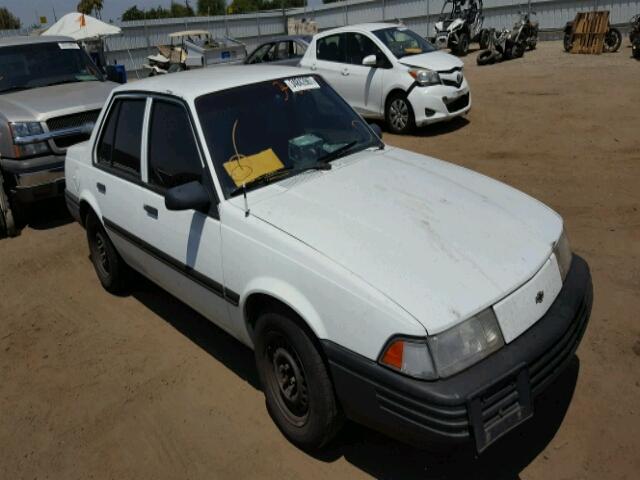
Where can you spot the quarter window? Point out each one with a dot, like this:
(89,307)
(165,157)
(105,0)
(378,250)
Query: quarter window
(120,144)
(173,154)
(332,48)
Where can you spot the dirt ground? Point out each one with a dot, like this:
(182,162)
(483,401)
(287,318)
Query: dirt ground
(141,387)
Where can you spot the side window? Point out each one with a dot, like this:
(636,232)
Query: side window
(331,48)
(298,49)
(120,144)
(173,154)
(283,51)
(259,55)
(360,46)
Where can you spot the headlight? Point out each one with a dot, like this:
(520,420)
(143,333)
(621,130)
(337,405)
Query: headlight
(26,129)
(446,353)
(563,254)
(425,77)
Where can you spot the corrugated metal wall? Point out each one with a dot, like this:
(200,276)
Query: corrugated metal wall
(139,38)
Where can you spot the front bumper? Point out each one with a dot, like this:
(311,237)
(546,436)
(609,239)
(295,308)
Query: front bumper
(481,403)
(439,103)
(36,178)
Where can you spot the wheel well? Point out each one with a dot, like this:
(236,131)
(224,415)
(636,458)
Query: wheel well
(85,210)
(395,91)
(259,303)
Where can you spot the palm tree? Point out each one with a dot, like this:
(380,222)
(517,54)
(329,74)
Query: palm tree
(89,6)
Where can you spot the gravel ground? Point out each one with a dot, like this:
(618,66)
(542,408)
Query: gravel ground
(140,386)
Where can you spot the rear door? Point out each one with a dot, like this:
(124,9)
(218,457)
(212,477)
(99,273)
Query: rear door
(116,180)
(331,61)
(184,246)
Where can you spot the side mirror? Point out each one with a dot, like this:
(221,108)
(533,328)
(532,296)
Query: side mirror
(190,196)
(376,129)
(370,61)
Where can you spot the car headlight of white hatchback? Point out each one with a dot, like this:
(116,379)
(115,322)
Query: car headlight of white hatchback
(563,254)
(446,353)
(425,77)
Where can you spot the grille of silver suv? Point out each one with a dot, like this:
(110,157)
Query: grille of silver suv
(71,121)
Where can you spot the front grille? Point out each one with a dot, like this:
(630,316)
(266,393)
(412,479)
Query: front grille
(72,121)
(452,83)
(458,104)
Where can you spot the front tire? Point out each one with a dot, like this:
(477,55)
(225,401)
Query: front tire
(112,272)
(7,222)
(399,115)
(484,39)
(298,390)
(462,48)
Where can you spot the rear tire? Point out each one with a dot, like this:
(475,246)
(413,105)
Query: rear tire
(7,221)
(612,40)
(298,390)
(399,115)
(567,43)
(517,50)
(112,272)
(484,39)
(462,48)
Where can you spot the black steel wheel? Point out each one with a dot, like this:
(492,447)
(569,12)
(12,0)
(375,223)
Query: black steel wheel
(112,272)
(298,390)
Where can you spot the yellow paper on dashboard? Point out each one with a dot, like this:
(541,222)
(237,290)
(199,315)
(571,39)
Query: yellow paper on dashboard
(247,168)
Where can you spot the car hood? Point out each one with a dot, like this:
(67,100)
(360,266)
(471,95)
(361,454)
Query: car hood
(441,241)
(437,60)
(40,104)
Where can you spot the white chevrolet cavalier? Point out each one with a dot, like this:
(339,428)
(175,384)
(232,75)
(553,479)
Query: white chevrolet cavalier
(420,298)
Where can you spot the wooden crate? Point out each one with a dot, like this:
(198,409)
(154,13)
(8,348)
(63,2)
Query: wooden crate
(589,30)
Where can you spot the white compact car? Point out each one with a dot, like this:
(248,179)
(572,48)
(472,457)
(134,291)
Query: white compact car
(386,71)
(403,292)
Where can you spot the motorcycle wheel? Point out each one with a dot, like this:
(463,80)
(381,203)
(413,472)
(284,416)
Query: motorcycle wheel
(517,50)
(635,48)
(612,40)
(484,39)
(567,42)
(533,43)
(486,57)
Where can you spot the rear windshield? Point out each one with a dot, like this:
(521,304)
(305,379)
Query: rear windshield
(43,64)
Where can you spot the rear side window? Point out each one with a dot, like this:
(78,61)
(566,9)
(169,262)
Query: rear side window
(173,154)
(121,141)
(332,48)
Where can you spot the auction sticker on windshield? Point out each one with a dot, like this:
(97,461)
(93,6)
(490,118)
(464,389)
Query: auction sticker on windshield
(69,46)
(299,84)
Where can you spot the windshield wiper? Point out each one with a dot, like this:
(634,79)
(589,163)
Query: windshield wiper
(270,176)
(337,153)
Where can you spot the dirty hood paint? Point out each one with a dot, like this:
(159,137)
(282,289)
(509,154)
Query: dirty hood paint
(437,60)
(40,104)
(441,241)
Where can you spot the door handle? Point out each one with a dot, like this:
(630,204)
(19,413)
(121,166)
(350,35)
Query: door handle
(345,72)
(151,211)
(314,67)
(101,187)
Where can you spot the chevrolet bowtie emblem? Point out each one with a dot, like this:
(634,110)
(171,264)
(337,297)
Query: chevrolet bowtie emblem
(540,297)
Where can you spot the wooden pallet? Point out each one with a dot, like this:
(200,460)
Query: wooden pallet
(589,30)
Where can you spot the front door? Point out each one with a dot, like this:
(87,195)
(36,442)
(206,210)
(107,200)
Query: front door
(185,246)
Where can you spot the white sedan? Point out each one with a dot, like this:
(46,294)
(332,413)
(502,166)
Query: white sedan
(394,289)
(387,71)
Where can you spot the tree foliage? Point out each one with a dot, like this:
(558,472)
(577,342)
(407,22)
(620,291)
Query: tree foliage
(211,7)
(89,7)
(176,10)
(245,6)
(8,21)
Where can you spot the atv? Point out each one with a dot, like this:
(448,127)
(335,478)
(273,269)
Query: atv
(457,26)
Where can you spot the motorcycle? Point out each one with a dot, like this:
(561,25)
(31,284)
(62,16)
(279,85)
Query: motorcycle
(612,39)
(525,30)
(502,46)
(457,27)
(634,36)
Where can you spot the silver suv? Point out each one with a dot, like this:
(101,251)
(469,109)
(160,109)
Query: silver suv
(50,96)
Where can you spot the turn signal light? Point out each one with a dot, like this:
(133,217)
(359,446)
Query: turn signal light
(409,356)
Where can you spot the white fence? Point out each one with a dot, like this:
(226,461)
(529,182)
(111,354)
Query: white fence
(139,38)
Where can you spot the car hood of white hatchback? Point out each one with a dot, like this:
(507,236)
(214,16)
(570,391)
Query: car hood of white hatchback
(436,60)
(441,241)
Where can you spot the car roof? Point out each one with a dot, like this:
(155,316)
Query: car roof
(282,38)
(363,27)
(25,40)
(192,84)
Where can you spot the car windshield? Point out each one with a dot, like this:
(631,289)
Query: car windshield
(42,64)
(403,42)
(272,130)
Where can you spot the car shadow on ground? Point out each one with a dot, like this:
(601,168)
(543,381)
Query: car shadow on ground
(433,130)
(44,215)
(370,451)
